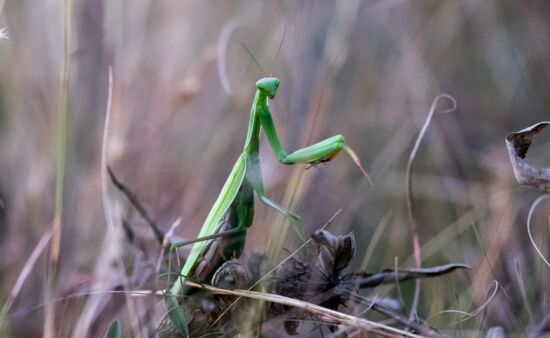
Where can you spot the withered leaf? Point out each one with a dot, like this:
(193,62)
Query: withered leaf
(322,279)
(335,252)
(518,144)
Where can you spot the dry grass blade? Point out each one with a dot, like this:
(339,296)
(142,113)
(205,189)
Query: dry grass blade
(418,326)
(327,315)
(330,316)
(104,148)
(357,162)
(61,154)
(27,268)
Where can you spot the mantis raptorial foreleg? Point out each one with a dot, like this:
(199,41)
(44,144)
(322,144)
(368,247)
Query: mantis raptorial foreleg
(237,194)
(216,235)
(322,151)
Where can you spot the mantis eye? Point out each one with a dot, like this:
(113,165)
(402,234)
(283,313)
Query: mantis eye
(268,85)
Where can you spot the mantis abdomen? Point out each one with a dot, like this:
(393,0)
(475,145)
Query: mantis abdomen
(232,230)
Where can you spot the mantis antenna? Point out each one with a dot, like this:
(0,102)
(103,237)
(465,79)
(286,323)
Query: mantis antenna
(278,51)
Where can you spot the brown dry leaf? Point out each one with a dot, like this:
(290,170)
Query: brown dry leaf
(518,144)
(334,252)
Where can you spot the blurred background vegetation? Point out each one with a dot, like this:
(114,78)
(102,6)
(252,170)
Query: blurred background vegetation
(184,75)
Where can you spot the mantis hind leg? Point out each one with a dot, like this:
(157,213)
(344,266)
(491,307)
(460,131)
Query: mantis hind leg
(254,180)
(292,216)
(279,208)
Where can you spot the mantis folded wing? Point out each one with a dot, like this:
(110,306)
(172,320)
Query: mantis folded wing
(236,196)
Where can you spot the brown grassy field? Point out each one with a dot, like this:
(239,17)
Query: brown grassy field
(183,75)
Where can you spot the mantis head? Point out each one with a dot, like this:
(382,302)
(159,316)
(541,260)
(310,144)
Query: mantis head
(268,86)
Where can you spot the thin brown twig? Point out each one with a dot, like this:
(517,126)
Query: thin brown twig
(132,198)
(165,244)
(338,291)
(331,316)
(420,328)
(413,225)
(492,269)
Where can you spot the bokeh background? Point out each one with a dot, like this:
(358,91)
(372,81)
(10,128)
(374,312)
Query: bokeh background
(183,82)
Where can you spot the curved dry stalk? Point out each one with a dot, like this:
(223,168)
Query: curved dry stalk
(221,51)
(413,225)
(529,217)
(468,315)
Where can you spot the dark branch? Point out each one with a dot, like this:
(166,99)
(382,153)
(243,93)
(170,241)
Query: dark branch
(159,234)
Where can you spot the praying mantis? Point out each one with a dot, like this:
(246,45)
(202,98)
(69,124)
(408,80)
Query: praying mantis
(236,199)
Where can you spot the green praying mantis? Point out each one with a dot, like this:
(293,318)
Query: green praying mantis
(236,199)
